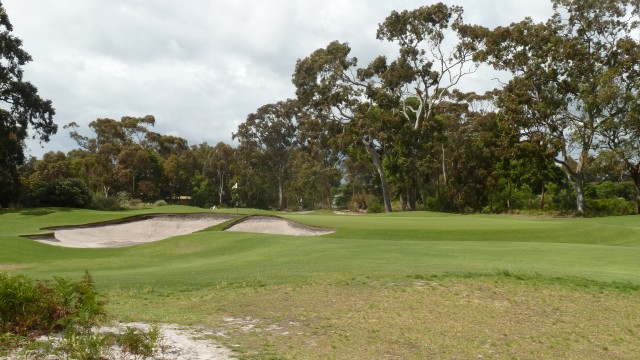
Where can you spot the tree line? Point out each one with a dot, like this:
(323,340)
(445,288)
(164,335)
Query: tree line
(561,135)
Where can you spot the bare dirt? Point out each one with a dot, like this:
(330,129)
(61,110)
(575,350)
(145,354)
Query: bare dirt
(175,342)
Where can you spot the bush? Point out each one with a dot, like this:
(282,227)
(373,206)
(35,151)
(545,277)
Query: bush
(607,207)
(361,202)
(32,308)
(139,343)
(375,208)
(100,202)
(610,190)
(64,193)
(160,203)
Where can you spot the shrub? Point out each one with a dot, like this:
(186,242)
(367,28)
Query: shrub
(29,309)
(32,308)
(160,203)
(375,208)
(64,192)
(139,343)
(362,202)
(606,207)
(100,202)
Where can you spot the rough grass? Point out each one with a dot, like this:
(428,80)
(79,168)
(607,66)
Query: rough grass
(480,317)
(401,285)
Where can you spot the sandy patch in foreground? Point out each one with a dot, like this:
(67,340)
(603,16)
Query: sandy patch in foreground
(134,232)
(275,225)
(175,343)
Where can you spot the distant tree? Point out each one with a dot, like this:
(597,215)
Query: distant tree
(254,177)
(20,108)
(102,153)
(218,168)
(273,129)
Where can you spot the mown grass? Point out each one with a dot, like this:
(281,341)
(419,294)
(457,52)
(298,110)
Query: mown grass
(401,285)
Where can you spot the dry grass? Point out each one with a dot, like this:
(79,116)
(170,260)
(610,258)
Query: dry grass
(414,319)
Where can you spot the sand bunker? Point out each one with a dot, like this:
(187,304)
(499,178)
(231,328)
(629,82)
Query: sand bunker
(148,228)
(133,231)
(276,225)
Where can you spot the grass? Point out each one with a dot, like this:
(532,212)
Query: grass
(400,285)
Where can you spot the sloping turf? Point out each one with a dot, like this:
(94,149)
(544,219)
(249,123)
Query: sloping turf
(385,245)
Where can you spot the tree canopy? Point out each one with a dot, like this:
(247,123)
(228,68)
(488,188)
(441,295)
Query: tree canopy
(559,134)
(21,108)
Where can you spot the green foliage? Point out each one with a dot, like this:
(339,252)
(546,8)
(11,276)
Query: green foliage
(361,202)
(375,208)
(81,346)
(111,203)
(139,343)
(62,193)
(31,308)
(160,203)
(610,206)
(20,108)
(610,190)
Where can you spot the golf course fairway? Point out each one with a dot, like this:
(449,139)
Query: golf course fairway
(401,285)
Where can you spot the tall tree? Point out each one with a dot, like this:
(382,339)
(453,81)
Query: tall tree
(426,69)
(218,168)
(331,87)
(20,108)
(565,80)
(273,128)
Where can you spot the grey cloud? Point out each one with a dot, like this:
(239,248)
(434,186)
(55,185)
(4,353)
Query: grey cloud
(199,66)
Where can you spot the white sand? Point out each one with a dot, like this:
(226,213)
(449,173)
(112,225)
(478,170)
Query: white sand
(274,225)
(175,343)
(161,227)
(134,232)
(179,343)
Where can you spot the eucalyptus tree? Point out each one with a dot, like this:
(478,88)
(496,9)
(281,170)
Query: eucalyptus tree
(566,73)
(102,152)
(21,107)
(622,133)
(218,169)
(435,53)
(331,88)
(273,129)
(435,50)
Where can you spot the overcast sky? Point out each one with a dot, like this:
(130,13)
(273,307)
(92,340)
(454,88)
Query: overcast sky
(199,66)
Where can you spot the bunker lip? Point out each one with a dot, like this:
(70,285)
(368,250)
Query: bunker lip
(142,229)
(136,218)
(275,225)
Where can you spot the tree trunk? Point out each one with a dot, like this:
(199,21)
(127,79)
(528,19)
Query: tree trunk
(403,202)
(578,185)
(444,169)
(579,196)
(636,181)
(577,180)
(383,177)
(280,194)
(412,198)
(638,196)
(542,193)
(221,190)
